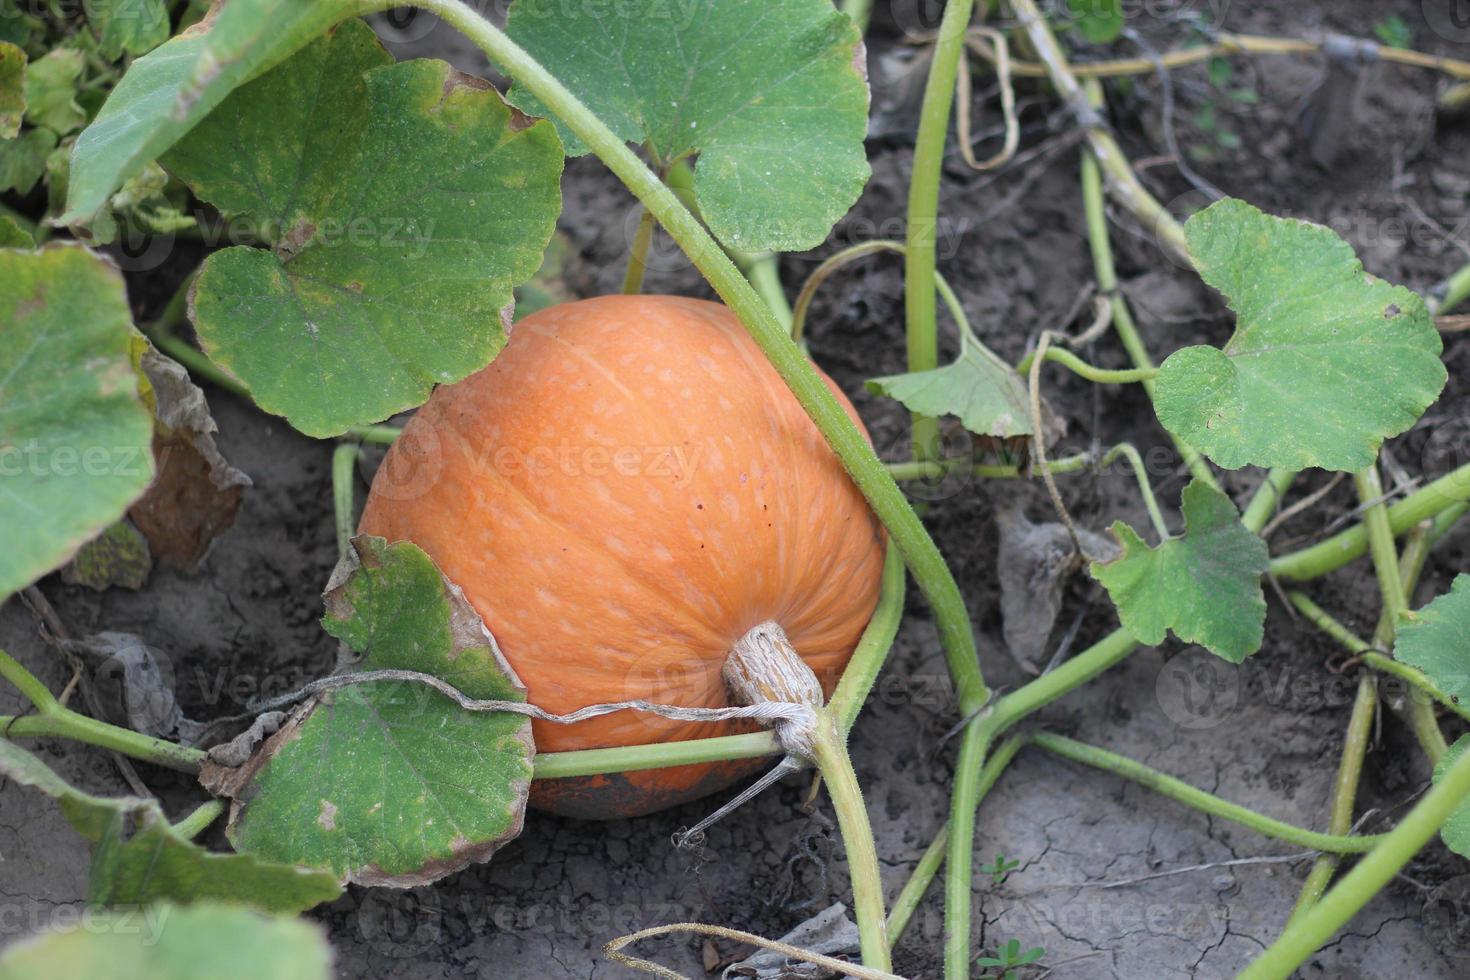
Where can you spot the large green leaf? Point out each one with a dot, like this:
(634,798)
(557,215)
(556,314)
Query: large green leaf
(1325,363)
(167,91)
(402,203)
(770,95)
(1205,585)
(12,89)
(1456,830)
(75,437)
(390,782)
(164,942)
(986,393)
(1437,640)
(139,858)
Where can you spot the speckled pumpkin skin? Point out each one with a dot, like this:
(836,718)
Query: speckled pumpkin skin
(621,494)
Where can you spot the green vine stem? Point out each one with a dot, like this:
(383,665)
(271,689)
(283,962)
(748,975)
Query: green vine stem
(1145,489)
(978,736)
(931,469)
(1122,181)
(1223,43)
(195,360)
(638,255)
(1370,657)
(1443,496)
(959,851)
(872,648)
(835,765)
(1344,790)
(383,435)
(1365,704)
(923,207)
(1267,498)
(204,815)
(913,891)
(883,494)
(1395,601)
(1078,366)
(1453,291)
(626,758)
(344,474)
(1106,272)
(763,270)
(851,254)
(53,719)
(1305,935)
(1380,543)
(1182,792)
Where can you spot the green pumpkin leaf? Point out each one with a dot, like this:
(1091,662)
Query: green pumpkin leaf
(390,782)
(985,392)
(129,26)
(1098,21)
(770,95)
(155,863)
(164,942)
(23,159)
(12,89)
(167,91)
(75,437)
(1205,586)
(89,815)
(1325,363)
(51,91)
(402,204)
(139,858)
(1437,640)
(1456,830)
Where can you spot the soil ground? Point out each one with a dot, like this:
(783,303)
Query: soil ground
(1094,851)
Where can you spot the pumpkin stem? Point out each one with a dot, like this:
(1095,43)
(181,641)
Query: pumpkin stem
(763,666)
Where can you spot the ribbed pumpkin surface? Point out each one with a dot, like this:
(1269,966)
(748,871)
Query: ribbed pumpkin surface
(621,494)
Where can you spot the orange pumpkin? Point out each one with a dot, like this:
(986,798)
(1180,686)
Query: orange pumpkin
(623,493)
